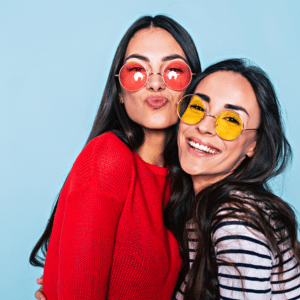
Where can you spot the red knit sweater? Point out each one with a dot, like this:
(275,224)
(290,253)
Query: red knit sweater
(108,239)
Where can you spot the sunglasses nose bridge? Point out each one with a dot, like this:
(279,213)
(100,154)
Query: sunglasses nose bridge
(155,82)
(209,115)
(206,114)
(155,73)
(205,125)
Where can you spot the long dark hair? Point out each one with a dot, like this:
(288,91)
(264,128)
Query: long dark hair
(111,115)
(272,154)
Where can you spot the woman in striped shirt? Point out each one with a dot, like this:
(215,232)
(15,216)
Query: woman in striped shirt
(240,241)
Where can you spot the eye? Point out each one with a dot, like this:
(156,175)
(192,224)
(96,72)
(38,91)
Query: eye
(232,120)
(136,69)
(177,70)
(197,107)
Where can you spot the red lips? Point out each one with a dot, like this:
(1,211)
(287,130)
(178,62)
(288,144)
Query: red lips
(156,102)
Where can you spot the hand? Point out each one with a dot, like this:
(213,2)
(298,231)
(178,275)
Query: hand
(39,293)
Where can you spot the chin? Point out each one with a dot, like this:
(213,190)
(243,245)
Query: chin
(189,169)
(159,126)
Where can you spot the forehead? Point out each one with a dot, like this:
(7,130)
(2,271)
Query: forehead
(153,43)
(227,87)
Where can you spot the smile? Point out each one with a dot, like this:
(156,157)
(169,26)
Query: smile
(202,148)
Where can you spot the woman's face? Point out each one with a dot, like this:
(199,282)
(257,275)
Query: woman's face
(224,91)
(154,106)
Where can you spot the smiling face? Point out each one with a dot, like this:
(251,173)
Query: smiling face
(154,105)
(202,153)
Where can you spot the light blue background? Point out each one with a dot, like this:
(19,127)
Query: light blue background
(55,57)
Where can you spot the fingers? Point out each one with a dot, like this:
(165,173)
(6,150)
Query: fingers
(39,294)
(40,281)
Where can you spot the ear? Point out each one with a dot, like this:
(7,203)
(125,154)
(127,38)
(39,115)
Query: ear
(251,150)
(121,98)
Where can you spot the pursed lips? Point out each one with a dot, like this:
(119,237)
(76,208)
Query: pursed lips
(156,102)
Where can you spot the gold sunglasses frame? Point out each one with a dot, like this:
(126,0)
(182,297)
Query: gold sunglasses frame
(156,73)
(210,115)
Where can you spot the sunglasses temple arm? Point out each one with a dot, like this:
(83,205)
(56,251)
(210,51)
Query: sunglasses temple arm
(251,129)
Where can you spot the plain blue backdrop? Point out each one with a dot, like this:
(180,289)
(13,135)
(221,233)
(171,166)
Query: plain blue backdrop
(55,58)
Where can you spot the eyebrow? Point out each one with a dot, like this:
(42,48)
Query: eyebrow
(230,106)
(141,57)
(203,96)
(174,56)
(165,58)
(236,107)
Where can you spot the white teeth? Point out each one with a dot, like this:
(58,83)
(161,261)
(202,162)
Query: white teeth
(202,147)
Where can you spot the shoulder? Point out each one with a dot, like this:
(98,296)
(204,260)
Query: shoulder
(238,242)
(105,150)
(105,162)
(241,250)
(107,144)
(236,227)
(235,232)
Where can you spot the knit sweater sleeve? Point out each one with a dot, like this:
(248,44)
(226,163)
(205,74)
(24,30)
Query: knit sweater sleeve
(248,252)
(81,247)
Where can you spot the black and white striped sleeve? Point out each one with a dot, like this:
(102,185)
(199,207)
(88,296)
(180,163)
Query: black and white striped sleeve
(250,256)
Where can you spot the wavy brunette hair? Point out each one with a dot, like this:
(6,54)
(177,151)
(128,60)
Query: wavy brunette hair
(111,115)
(272,154)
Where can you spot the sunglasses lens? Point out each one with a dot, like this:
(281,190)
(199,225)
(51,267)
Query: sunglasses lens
(133,76)
(191,109)
(229,125)
(177,75)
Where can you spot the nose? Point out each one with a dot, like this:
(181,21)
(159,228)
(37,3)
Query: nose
(155,82)
(207,125)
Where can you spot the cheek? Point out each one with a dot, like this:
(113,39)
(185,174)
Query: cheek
(181,141)
(236,153)
(130,102)
(180,133)
(177,95)
(130,109)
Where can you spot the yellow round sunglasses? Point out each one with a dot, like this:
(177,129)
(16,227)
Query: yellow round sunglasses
(228,125)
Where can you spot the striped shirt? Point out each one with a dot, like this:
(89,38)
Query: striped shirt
(248,250)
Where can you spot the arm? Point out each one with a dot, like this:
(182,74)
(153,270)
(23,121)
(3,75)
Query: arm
(87,243)
(246,249)
(81,246)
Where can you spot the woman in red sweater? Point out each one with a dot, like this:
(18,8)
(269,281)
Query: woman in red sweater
(108,234)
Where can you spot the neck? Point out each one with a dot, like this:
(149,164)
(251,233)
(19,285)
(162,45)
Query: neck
(201,182)
(151,151)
